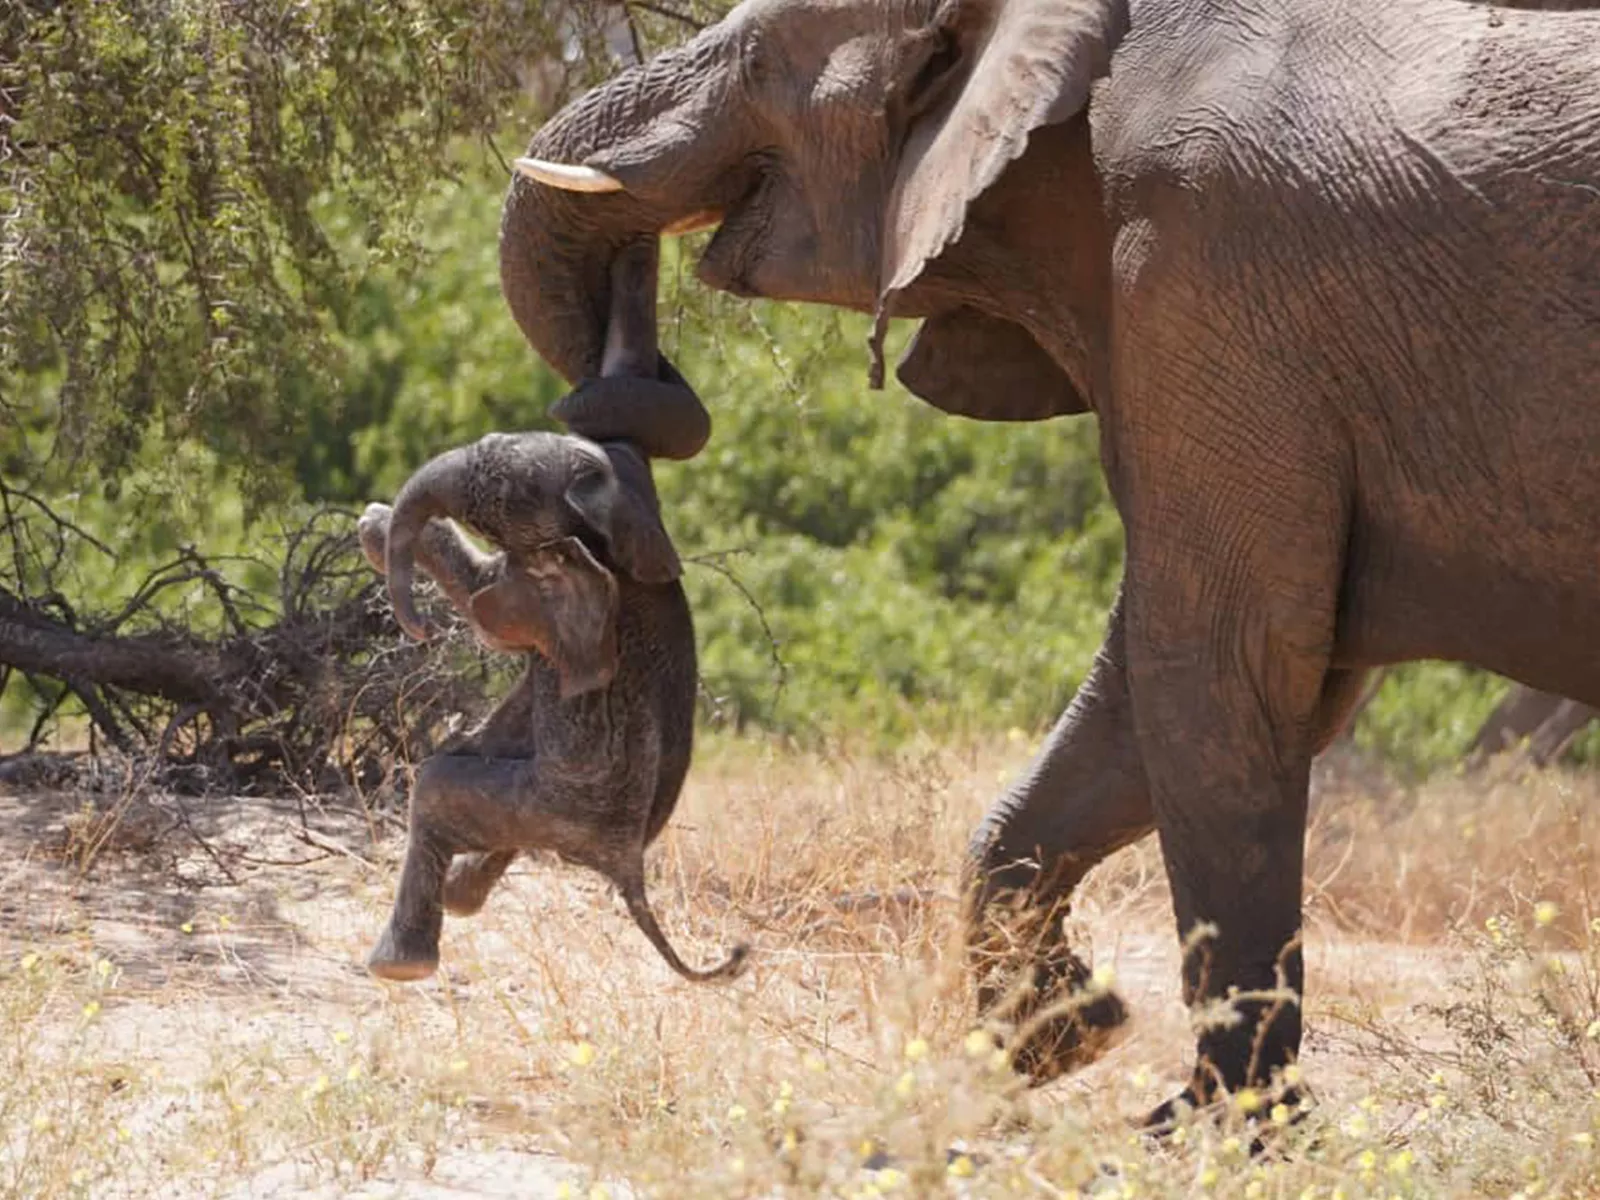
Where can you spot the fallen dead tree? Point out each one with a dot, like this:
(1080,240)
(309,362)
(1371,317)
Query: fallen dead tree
(311,688)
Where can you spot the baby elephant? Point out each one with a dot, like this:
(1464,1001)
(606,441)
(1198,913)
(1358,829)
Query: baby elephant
(587,754)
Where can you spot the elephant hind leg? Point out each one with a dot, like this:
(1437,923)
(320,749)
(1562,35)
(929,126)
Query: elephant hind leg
(408,948)
(1082,799)
(458,803)
(472,877)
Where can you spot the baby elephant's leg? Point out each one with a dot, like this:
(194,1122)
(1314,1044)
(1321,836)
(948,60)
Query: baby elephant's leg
(472,877)
(491,807)
(409,946)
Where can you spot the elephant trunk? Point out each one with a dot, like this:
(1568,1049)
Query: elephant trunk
(643,154)
(438,489)
(640,397)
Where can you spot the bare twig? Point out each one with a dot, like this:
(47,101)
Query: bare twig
(661,10)
(712,561)
(9,490)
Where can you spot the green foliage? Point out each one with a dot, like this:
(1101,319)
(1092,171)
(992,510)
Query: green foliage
(1425,714)
(171,176)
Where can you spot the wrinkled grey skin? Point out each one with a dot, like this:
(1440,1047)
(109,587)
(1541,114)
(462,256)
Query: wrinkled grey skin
(1328,273)
(587,754)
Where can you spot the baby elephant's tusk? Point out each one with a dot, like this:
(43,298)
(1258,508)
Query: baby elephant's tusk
(567,177)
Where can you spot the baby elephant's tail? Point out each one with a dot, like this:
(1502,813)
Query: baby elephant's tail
(645,918)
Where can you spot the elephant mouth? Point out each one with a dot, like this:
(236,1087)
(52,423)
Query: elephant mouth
(738,211)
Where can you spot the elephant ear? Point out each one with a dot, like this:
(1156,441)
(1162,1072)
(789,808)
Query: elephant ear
(999,70)
(562,603)
(621,506)
(509,616)
(971,364)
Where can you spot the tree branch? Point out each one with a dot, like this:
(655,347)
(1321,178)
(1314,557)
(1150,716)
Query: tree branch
(661,10)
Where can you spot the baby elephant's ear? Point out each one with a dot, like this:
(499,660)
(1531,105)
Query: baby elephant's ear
(510,616)
(563,604)
(620,505)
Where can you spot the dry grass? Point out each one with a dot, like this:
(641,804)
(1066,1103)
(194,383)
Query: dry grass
(164,1030)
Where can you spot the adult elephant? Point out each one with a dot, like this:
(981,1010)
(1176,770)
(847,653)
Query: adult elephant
(1327,273)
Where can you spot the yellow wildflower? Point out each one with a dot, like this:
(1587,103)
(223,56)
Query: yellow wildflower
(1545,912)
(978,1043)
(905,1085)
(1247,1100)
(581,1054)
(916,1050)
(961,1167)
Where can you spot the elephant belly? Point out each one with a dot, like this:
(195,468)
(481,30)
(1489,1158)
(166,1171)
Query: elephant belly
(1515,590)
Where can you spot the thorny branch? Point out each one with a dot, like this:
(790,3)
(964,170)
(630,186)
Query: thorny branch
(317,689)
(714,561)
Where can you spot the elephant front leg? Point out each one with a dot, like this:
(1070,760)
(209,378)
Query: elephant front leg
(1230,634)
(1083,798)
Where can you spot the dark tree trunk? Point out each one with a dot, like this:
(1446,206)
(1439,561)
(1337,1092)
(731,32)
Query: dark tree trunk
(1542,722)
(150,664)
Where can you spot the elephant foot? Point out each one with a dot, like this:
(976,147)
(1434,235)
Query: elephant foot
(1061,1019)
(470,880)
(1259,1123)
(404,956)
(1066,1033)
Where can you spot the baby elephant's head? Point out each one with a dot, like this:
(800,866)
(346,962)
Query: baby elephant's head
(571,515)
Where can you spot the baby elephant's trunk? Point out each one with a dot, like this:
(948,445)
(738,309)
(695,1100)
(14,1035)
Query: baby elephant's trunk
(632,888)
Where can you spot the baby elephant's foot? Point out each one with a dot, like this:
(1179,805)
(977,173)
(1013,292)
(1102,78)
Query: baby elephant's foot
(471,878)
(404,956)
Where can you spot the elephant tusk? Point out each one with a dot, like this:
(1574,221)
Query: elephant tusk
(567,177)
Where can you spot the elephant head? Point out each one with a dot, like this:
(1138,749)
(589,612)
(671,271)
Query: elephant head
(839,146)
(569,514)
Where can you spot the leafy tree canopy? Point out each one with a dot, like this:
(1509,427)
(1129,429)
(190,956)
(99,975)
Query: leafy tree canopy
(195,189)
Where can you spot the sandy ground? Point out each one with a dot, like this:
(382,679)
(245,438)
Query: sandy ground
(240,926)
